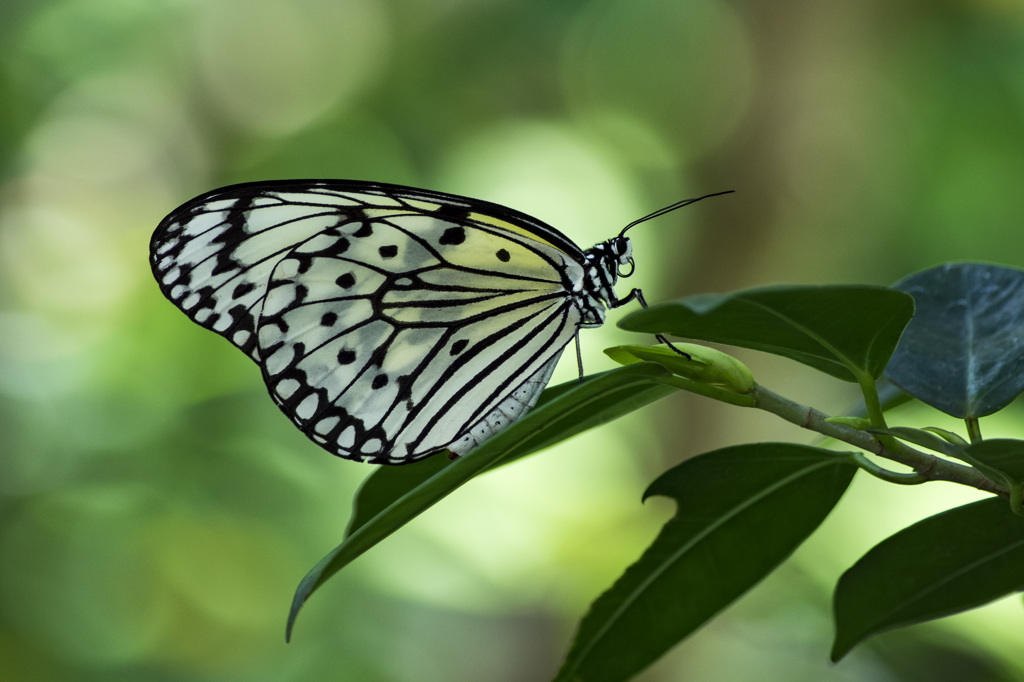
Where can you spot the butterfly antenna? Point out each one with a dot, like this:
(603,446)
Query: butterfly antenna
(668,209)
(660,212)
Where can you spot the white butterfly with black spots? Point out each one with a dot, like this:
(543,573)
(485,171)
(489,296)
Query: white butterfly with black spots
(389,322)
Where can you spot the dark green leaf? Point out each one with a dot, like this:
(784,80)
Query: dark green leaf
(999,458)
(945,564)
(389,483)
(845,331)
(617,395)
(741,511)
(964,351)
(580,406)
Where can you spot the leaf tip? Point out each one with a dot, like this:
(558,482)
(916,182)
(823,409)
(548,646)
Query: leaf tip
(302,593)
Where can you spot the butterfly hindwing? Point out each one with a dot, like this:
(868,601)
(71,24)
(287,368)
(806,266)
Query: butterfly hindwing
(430,342)
(389,323)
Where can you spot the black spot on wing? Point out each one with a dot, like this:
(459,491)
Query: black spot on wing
(453,236)
(336,249)
(242,289)
(404,384)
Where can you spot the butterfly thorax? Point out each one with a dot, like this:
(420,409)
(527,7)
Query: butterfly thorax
(604,265)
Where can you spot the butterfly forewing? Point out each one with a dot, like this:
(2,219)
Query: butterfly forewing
(389,322)
(214,256)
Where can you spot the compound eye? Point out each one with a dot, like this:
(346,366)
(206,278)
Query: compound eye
(623,249)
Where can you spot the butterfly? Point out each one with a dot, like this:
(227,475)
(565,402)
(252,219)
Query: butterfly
(390,323)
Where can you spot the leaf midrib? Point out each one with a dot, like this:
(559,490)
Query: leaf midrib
(637,593)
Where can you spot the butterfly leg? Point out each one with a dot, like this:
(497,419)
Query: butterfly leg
(638,296)
(579,355)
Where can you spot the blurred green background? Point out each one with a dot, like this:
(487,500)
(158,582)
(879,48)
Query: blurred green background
(157,511)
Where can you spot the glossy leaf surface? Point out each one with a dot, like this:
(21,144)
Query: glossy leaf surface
(964,351)
(741,511)
(844,331)
(945,564)
(392,502)
(387,484)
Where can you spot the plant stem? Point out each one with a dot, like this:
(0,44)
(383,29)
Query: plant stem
(876,415)
(928,467)
(880,472)
(872,403)
(973,429)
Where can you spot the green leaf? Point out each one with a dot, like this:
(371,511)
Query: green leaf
(387,484)
(1002,460)
(741,511)
(845,331)
(392,500)
(945,564)
(964,351)
(999,458)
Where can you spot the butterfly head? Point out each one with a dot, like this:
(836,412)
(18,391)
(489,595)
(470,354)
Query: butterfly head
(610,260)
(620,254)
